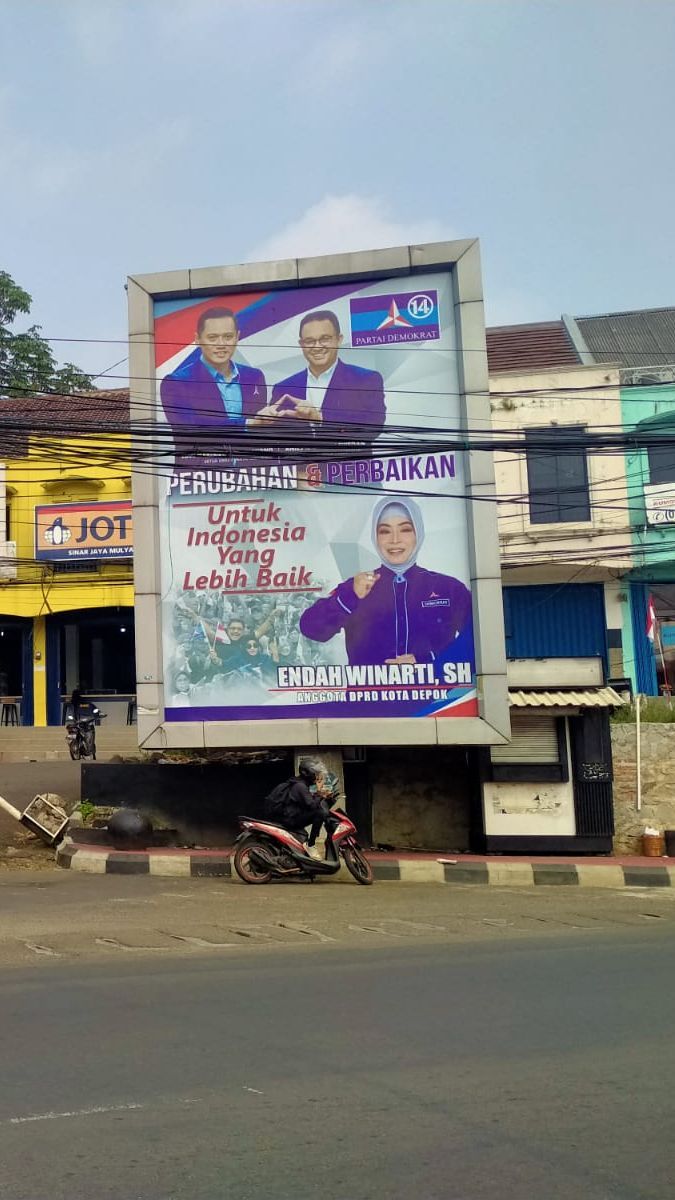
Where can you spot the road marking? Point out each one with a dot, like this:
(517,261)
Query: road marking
(254,1090)
(37,949)
(77,1112)
(97,1109)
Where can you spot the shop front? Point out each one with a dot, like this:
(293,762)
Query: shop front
(549,790)
(93,650)
(16,670)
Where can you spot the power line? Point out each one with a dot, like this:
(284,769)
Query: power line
(407,348)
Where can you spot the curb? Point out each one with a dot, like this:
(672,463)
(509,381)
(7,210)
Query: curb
(210,863)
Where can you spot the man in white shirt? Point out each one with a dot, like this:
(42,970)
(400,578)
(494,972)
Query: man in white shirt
(342,399)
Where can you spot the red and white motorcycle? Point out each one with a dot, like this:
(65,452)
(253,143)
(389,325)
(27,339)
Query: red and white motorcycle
(265,851)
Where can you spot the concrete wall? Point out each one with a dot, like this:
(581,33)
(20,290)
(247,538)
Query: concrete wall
(586,396)
(420,797)
(658,783)
(529,809)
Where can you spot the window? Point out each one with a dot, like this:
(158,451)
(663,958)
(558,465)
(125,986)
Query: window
(8,522)
(661,464)
(558,483)
(78,566)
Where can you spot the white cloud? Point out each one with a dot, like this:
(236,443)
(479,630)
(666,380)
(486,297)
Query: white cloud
(338,224)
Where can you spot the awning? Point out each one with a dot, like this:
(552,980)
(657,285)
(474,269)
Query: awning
(604,697)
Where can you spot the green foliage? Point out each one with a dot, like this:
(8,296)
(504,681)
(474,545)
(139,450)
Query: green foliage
(653,710)
(26,360)
(87,811)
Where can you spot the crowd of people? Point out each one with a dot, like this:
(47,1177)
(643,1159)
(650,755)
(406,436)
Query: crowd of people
(230,643)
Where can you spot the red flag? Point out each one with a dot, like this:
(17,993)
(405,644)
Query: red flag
(650,629)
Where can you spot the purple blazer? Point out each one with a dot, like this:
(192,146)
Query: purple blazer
(191,397)
(420,612)
(354,400)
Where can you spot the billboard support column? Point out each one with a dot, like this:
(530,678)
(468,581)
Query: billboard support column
(331,756)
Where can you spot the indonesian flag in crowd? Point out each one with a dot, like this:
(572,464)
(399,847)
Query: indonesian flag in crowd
(220,634)
(651,620)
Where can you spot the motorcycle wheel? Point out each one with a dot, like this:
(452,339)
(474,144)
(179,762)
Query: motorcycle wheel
(358,865)
(74,750)
(248,870)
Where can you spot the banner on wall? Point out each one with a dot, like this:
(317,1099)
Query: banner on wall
(93,530)
(309,566)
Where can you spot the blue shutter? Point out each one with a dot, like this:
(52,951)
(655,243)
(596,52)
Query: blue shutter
(556,621)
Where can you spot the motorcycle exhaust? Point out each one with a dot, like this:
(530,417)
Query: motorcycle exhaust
(262,859)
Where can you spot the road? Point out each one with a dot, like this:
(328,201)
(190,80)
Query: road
(449,1043)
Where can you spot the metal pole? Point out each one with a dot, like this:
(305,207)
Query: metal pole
(638,755)
(9,808)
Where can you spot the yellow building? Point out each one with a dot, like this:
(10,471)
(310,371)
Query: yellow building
(66,575)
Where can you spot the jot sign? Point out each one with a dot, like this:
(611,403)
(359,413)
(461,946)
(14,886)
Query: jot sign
(90,530)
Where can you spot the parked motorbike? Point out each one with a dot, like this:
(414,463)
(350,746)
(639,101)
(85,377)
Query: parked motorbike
(265,851)
(81,734)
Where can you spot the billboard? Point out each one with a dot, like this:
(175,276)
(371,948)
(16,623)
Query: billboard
(315,554)
(94,530)
(339,585)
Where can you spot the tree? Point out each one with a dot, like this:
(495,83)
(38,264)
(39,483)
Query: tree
(26,360)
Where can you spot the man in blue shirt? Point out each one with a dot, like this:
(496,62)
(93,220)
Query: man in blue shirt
(209,390)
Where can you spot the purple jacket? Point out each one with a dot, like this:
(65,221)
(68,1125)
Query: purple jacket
(191,397)
(354,398)
(419,612)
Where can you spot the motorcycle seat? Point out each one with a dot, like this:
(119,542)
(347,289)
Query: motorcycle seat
(298,834)
(264,821)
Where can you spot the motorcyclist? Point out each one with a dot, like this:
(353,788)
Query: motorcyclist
(294,805)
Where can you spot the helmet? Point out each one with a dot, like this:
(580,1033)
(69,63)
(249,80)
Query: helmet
(310,768)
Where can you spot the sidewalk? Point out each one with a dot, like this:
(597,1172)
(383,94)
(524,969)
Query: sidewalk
(399,866)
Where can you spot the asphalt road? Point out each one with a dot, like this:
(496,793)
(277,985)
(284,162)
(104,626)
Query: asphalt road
(416,1041)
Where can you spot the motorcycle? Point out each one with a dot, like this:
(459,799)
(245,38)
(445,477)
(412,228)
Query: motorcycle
(265,851)
(81,734)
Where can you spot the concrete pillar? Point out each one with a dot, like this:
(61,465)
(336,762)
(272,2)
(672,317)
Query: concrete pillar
(40,671)
(331,756)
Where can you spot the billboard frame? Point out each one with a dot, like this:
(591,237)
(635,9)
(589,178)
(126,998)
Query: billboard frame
(491,726)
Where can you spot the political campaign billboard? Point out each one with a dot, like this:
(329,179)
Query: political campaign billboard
(314,582)
(313,514)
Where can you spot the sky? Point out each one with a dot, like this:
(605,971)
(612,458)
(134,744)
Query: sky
(145,135)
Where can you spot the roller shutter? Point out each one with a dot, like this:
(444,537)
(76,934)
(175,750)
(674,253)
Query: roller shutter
(534,739)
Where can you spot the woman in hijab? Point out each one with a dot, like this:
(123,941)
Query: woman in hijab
(400,612)
(251,662)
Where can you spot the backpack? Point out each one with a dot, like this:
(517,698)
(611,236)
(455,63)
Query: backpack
(276,801)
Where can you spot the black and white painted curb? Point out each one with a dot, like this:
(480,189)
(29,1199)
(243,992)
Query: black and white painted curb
(403,870)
